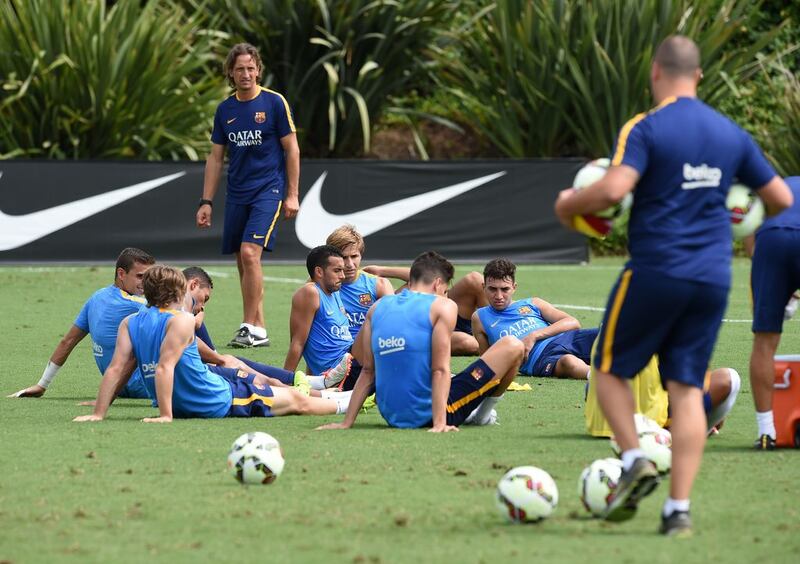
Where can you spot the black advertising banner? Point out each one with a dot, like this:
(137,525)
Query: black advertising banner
(468,211)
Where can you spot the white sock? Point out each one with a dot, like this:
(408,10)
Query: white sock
(342,403)
(258,332)
(316,382)
(484,411)
(673,505)
(629,457)
(721,411)
(334,394)
(766,423)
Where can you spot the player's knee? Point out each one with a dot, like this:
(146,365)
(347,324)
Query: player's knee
(512,346)
(250,254)
(301,403)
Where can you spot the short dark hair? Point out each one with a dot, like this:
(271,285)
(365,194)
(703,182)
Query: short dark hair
(500,268)
(131,255)
(163,285)
(678,55)
(319,257)
(430,265)
(195,272)
(241,49)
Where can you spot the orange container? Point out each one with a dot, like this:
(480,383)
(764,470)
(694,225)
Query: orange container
(786,400)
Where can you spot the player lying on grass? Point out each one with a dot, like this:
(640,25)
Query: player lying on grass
(407,340)
(555,345)
(161,341)
(100,317)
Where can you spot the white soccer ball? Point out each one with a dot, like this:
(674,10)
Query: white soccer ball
(746,210)
(256,458)
(597,482)
(598,224)
(526,494)
(655,442)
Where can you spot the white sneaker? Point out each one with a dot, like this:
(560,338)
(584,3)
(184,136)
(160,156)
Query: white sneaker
(338,373)
(491,420)
(791,308)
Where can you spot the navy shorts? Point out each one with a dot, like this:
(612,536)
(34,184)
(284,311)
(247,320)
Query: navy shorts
(248,399)
(250,223)
(650,313)
(463,325)
(468,389)
(577,343)
(774,276)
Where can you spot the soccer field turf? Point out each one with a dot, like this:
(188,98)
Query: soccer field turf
(123,491)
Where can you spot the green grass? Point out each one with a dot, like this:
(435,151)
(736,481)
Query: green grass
(123,491)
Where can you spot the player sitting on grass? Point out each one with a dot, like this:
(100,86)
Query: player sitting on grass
(160,340)
(100,317)
(555,345)
(407,340)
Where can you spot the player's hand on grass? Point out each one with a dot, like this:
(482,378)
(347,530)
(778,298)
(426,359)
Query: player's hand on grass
(291,205)
(160,419)
(85,418)
(35,391)
(204,216)
(442,429)
(330,426)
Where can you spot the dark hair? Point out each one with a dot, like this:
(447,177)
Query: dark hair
(163,285)
(319,257)
(500,268)
(197,273)
(241,49)
(678,55)
(131,255)
(430,265)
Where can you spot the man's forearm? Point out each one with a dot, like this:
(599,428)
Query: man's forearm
(293,356)
(440,388)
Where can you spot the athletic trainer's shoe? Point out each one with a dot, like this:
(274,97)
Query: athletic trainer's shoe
(678,524)
(339,372)
(764,442)
(301,383)
(244,339)
(490,420)
(634,484)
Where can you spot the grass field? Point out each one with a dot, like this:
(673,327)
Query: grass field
(123,491)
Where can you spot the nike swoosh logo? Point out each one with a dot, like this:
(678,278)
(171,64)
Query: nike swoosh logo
(19,230)
(258,236)
(230,121)
(495,323)
(314,223)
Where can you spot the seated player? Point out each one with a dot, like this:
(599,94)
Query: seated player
(555,345)
(100,317)
(407,358)
(161,341)
(318,327)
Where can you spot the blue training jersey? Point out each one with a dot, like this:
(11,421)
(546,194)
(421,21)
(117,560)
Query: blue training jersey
(687,155)
(196,392)
(401,346)
(788,218)
(100,316)
(329,337)
(357,298)
(518,319)
(252,131)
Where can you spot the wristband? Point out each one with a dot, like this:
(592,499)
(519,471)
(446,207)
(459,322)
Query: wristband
(49,373)
(204,202)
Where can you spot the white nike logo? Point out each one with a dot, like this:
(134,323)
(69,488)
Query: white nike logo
(314,223)
(495,323)
(19,230)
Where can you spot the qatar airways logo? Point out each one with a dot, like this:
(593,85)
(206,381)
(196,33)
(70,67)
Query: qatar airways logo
(702,176)
(246,138)
(519,328)
(391,345)
(341,332)
(356,319)
(148,369)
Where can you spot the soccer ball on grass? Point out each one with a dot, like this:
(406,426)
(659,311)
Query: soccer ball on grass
(526,494)
(654,441)
(256,458)
(597,482)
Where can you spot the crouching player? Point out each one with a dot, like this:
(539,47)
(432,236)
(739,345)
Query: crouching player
(161,341)
(407,339)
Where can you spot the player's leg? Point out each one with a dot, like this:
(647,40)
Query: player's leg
(252,283)
(723,389)
(288,401)
(463,344)
(762,378)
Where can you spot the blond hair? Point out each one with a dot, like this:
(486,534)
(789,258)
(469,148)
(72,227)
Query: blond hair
(163,285)
(344,236)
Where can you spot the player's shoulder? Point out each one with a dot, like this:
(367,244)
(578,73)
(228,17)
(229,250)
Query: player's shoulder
(305,294)
(272,95)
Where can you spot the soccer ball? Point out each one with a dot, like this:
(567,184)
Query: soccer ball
(654,441)
(526,494)
(256,458)
(597,224)
(746,210)
(597,482)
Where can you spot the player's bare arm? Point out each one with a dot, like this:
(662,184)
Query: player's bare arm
(383,287)
(776,195)
(559,322)
(211,176)
(305,304)
(479,333)
(116,376)
(609,190)
(178,335)
(64,348)
(398,272)
(291,150)
(443,318)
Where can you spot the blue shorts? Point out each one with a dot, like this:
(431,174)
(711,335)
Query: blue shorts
(250,223)
(248,399)
(468,389)
(774,276)
(649,313)
(463,325)
(577,343)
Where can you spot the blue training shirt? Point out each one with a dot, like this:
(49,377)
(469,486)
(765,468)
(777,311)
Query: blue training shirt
(100,316)
(329,337)
(519,319)
(687,155)
(401,346)
(252,131)
(357,298)
(196,392)
(788,218)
